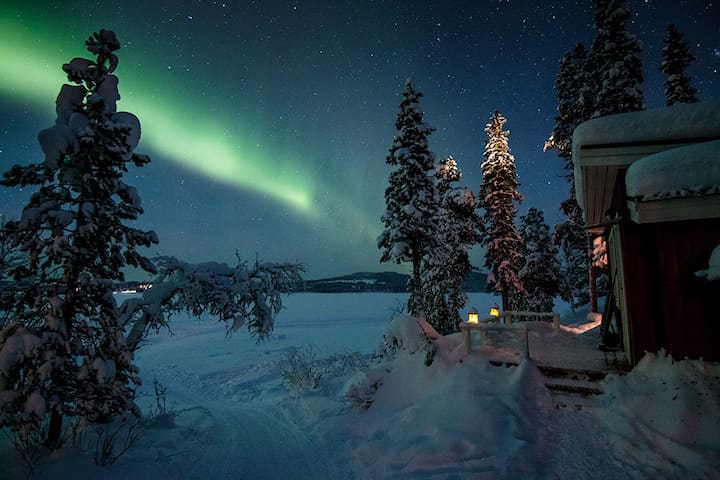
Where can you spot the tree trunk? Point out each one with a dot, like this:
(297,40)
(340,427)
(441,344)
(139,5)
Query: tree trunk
(53,440)
(415,300)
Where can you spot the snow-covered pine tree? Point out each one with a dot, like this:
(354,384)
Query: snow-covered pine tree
(498,196)
(67,349)
(64,352)
(540,274)
(574,107)
(571,109)
(573,254)
(613,75)
(676,57)
(614,66)
(411,196)
(447,263)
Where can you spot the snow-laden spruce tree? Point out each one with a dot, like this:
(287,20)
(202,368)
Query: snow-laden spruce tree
(574,107)
(614,73)
(67,349)
(447,263)
(571,109)
(540,275)
(411,196)
(676,57)
(499,197)
(573,255)
(614,66)
(64,352)
(10,258)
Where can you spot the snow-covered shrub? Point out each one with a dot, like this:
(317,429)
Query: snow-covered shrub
(359,391)
(301,370)
(160,416)
(28,448)
(406,333)
(108,442)
(348,364)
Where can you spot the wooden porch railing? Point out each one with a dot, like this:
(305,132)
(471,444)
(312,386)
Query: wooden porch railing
(507,318)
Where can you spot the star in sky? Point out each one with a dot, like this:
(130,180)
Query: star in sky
(268,122)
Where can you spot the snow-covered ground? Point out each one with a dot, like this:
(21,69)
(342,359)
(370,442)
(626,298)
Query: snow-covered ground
(236,419)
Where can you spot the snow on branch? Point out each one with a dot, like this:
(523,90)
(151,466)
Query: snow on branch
(239,296)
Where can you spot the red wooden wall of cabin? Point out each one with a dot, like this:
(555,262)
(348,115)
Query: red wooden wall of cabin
(668,306)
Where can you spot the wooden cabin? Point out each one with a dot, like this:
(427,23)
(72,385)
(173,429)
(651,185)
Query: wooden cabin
(649,182)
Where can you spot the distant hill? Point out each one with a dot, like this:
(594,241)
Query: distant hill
(378,282)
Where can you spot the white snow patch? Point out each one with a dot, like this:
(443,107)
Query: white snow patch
(678,172)
(667,414)
(460,417)
(713,271)
(35,404)
(678,122)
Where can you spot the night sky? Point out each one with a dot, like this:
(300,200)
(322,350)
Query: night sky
(268,122)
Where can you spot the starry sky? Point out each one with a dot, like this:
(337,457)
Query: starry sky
(268,122)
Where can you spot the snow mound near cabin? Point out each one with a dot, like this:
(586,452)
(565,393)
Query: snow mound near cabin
(667,415)
(459,418)
(713,271)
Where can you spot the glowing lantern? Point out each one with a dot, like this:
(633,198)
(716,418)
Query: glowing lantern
(495,311)
(473,316)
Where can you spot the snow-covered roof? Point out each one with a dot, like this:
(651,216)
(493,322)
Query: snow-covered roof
(676,123)
(604,147)
(679,172)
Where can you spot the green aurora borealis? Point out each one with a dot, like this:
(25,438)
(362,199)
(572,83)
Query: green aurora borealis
(167,125)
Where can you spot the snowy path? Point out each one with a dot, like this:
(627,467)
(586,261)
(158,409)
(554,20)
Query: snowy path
(227,434)
(248,443)
(570,452)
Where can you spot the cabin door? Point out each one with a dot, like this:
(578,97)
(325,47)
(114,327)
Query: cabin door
(617,275)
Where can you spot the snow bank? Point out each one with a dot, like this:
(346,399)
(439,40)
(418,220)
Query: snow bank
(463,417)
(679,172)
(669,408)
(450,420)
(468,418)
